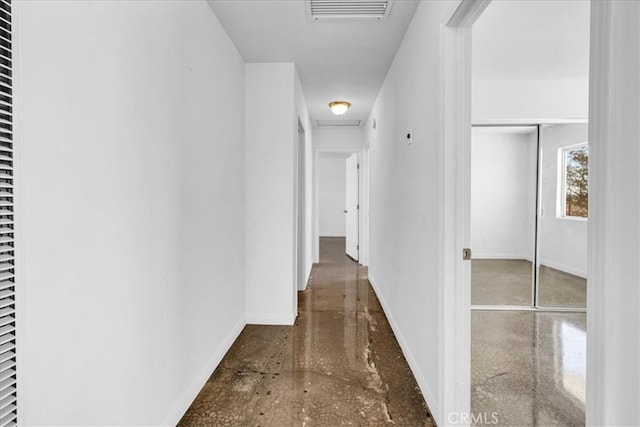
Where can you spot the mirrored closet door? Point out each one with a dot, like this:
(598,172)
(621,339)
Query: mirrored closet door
(529,209)
(503,206)
(563,213)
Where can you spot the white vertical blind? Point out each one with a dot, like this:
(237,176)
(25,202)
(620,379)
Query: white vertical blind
(8,410)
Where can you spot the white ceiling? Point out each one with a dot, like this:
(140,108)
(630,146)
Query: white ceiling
(532,39)
(349,59)
(336,59)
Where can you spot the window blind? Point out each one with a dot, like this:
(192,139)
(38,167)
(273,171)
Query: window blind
(8,409)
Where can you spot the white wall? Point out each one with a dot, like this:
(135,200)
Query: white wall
(270,191)
(130,153)
(502,100)
(406,256)
(613,294)
(331,194)
(562,242)
(503,197)
(340,138)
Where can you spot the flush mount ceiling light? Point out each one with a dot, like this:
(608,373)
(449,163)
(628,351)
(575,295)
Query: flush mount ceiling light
(339,107)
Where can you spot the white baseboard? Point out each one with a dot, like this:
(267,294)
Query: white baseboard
(525,257)
(429,397)
(199,381)
(571,270)
(271,318)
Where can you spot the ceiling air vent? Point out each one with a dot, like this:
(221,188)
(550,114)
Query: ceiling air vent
(349,9)
(338,123)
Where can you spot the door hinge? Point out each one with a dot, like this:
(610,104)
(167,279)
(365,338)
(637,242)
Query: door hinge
(357,206)
(358,247)
(358,165)
(466,254)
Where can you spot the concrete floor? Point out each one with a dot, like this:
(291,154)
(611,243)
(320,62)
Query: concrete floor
(340,364)
(528,368)
(509,282)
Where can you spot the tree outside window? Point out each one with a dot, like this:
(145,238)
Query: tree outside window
(575,188)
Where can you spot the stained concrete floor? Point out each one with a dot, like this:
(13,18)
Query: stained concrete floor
(340,364)
(509,282)
(528,368)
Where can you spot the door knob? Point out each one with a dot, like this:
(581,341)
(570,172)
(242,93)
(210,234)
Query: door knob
(345,211)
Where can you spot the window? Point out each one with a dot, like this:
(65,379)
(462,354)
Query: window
(574,183)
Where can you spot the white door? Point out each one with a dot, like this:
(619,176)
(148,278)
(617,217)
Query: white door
(352,207)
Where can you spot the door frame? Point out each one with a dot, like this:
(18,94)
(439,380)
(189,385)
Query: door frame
(454,362)
(301,277)
(363,224)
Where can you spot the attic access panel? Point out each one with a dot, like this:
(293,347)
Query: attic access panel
(338,123)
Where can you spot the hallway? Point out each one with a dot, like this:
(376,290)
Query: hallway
(339,364)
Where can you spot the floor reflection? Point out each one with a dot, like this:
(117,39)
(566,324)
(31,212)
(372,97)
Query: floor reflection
(340,364)
(529,367)
(571,367)
(510,282)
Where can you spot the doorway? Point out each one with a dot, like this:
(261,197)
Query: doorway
(536,335)
(338,202)
(528,209)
